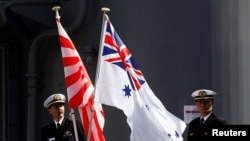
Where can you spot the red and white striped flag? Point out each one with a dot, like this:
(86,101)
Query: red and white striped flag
(80,88)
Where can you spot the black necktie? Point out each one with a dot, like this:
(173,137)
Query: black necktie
(202,121)
(58,126)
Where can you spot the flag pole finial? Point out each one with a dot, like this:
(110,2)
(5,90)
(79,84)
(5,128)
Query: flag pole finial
(105,9)
(56,9)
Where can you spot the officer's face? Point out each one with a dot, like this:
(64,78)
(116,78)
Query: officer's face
(56,110)
(204,106)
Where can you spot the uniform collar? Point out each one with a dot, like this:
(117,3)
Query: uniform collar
(205,118)
(60,121)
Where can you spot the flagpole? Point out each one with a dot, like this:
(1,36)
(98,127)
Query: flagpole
(105,17)
(72,113)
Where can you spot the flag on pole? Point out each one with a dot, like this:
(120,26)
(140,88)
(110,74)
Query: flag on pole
(80,89)
(121,84)
(96,133)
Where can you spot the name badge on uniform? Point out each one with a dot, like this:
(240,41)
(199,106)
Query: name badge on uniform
(52,139)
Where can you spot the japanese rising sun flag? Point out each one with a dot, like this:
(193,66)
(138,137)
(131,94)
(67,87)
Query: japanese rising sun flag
(121,84)
(79,88)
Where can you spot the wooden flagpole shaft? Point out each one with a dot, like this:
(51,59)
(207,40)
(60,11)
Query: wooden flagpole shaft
(74,123)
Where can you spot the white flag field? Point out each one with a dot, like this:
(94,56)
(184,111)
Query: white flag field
(121,84)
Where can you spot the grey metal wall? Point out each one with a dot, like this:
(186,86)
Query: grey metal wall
(230,45)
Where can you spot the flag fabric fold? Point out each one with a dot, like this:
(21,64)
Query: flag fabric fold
(80,89)
(121,84)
